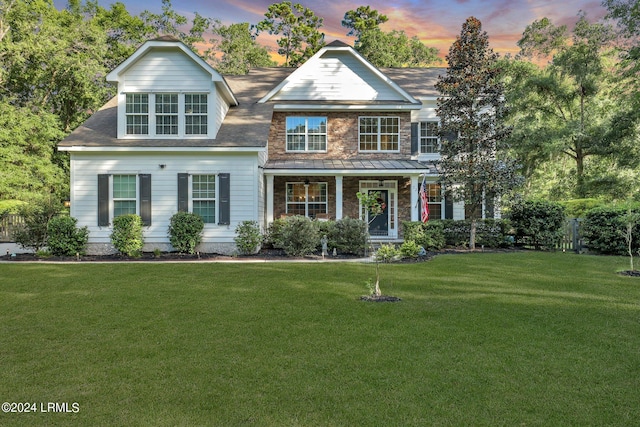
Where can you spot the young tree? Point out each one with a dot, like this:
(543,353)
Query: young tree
(475,165)
(240,51)
(299,27)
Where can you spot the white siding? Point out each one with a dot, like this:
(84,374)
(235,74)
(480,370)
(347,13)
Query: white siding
(244,175)
(337,76)
(426,113)
(163,70)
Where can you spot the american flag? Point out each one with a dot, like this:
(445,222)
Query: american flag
(424,198)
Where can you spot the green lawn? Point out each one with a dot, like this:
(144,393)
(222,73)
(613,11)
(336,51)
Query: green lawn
(516,339)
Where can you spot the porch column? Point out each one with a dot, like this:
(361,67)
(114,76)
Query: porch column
(339,197)
(415,201)
(269,199)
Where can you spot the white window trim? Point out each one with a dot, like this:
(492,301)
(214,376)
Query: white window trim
(306,135)
(379,142)
(421,138)
(122,116)
(215,199)
(392,187)
(112,199)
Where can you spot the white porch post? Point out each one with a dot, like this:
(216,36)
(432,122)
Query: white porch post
(339,197)
(269,199)
(415,205)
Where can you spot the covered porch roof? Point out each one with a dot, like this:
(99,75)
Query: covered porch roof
(349,167)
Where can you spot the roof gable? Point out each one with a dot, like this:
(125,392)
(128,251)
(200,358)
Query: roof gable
(338,73)
(170,49)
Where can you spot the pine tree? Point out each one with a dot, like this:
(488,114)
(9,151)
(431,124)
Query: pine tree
(474,165)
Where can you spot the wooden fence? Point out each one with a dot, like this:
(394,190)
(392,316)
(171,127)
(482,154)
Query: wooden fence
(7,224)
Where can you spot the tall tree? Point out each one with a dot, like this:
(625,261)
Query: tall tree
(361,20)
(299,27)
(570,107)
(240,51)
(395,49)
(475,165)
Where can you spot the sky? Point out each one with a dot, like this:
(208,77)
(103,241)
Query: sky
(435,22)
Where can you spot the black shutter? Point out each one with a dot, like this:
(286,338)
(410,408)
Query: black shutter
(489,205)
(183,192)
(448,207)
(103,200)
(415,144)
(145,198)
(225,205)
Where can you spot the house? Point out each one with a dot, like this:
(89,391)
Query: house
(277,141)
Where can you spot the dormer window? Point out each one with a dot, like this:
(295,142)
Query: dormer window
(174,114)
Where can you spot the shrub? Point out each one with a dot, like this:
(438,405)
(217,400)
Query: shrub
(429,235)
(494,233)
(350,235)
(298,236)
(273,237)
(603,230)
(127,234)
(326,228)
(185,231)
(387,253)
(410,249)
(538,223)
(64,238)
(577,208)
(37,214)
(456,233)
(248,237)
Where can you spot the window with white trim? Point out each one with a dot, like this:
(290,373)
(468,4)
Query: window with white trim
(124,194)
(137,114)
(429,141)
(379,133)
(306,133)
(307,199)
(166,114)
(203,196)
(435,200)
(195,113)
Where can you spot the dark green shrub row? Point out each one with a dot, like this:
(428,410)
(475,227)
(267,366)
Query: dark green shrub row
(490,233)
(298,235)
(538,223)
(603,230)
(429,235)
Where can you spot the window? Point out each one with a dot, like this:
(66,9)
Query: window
(434,198)
(306,133)
(195,106)
(379,133)
(203,194)
(167,114)
(429,142)
(173,114)
(307,199)
(137,114)
(124,195)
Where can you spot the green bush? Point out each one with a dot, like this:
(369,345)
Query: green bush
(538,223)
(603,230)
(326,228)
(298,236)
(248,237)
(429,235)
(410,249)
(387,253)
(577,208)
(273,238)
(494,233)
(127,234)
(456,232)
(185,231)
(64,238)
(350,236)
(37,214)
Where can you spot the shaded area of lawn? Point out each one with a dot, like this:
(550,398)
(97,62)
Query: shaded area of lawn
(478,339)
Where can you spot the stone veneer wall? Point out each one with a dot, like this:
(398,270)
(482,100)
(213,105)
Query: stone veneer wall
(342,137)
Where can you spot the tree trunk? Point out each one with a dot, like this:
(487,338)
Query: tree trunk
(472,237)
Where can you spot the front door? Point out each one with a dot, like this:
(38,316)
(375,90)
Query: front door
(379,225)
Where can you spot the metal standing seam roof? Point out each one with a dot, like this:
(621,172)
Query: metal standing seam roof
(355,166)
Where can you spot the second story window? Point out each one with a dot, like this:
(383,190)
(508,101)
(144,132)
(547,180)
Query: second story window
(167,114)
(429,142)
(379,133)
(306,134)
(137,114)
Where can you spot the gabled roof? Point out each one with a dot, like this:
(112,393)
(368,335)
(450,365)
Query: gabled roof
(332,57)
(169,42)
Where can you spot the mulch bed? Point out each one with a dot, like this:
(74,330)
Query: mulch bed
(631,273)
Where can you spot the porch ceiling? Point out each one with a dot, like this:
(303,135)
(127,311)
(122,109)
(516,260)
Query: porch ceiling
(349,167)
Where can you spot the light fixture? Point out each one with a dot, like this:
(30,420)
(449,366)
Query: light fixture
(380,183)
(67,203)
(306,183)
(162,166)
